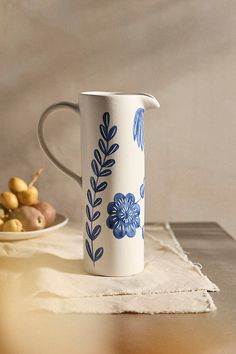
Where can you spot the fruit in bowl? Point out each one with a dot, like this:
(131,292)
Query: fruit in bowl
(30,218)
(12,225)
(17,185)
(9,200)
(48,211)
(21,209)
(2,212)
(28,197)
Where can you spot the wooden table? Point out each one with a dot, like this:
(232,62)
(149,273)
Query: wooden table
(210,333)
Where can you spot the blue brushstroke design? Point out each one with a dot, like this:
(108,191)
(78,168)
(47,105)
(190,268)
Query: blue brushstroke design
(138,128)
(101,166)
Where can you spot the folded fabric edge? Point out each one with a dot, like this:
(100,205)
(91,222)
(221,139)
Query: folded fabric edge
(180,252)
(112,293)
(196,302)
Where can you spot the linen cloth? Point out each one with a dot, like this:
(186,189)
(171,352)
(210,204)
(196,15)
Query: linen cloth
(49,274)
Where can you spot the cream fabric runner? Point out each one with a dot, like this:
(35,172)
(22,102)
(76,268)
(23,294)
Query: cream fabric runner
(48,272)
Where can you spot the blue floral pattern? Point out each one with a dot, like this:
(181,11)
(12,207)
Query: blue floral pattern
(101,167)
(138,128)
(124,215)
(142,192)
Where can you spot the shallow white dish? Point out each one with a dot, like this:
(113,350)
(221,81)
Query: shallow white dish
(60,221)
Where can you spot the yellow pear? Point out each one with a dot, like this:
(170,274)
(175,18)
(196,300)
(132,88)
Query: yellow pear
(12,225)
(17,185)
(28,197)
(9,200)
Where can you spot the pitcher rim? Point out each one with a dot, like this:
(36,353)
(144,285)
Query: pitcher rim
(111,93)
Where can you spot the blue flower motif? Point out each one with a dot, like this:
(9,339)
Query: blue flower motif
(124,215)
(138,128)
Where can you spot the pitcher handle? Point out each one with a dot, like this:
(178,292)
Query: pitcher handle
(55,107)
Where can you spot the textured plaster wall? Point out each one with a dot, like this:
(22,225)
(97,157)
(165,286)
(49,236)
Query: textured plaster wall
(183,52)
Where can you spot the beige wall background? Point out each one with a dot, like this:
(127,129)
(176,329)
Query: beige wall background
(183,52)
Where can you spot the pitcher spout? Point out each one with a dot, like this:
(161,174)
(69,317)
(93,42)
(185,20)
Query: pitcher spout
(149,101)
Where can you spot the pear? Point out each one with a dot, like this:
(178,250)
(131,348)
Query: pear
(28,196)
(31,218)
(2,212)
(17,185)
(48,211)
(9,200)
(12,225)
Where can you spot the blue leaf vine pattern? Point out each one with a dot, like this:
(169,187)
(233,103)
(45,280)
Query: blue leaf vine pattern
(124,214)
(138,128)
(101,166)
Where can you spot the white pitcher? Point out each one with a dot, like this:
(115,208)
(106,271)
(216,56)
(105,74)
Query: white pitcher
(112,135)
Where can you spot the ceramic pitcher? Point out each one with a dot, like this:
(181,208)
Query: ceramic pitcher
(112,180)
